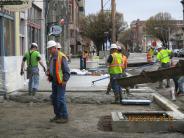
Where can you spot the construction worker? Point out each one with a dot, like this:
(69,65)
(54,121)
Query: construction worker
(58,46)
(59,74)
(124,65)
(164,57)
(150,55)
(124,59)
(114,62)
(32,57)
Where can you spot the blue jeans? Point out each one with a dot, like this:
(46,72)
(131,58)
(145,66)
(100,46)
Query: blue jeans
(34,80)
(115,86)
(58,100)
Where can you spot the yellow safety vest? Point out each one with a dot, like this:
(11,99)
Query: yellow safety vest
(59,72)
(116,66)
(164,56)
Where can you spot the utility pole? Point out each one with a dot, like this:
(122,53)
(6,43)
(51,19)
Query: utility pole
(182,2)
(102,6)
(113,14)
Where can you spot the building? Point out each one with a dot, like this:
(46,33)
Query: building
(141,40)
(18,28)
(76,11)
(55,12)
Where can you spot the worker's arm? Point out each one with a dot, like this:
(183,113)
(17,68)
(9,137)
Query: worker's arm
(66,70)
(158,57)
(41,63)
(171,54)
(109,60)
(22,65)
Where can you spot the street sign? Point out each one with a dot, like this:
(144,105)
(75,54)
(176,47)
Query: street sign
(55,30)
(11,2)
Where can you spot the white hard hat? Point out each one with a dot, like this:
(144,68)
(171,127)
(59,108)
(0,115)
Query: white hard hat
(114,46)
(159,46)
(51,43)
(34,45)
(58,45)
(119,47)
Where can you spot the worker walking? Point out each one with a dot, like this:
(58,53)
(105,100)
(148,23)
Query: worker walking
(115,70)
(59,74)
(32,57)
(164,57)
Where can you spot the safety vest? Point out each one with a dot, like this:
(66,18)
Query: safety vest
(32,58)
(164,56)
(59,72)
(116,66)
(124,59)
(149,57)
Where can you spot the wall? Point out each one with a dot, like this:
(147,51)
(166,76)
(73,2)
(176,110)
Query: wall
(13,80)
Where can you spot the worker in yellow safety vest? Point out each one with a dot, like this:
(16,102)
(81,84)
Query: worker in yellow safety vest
(115,62)
(164,57)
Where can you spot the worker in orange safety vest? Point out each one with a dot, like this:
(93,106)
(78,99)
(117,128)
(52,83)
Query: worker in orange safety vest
(150,55)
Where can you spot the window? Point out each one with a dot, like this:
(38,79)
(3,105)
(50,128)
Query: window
(9,40)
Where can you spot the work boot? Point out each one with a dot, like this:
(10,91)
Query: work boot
(53,119)
(34,91)
(61,120)
(116,96)
(127,90)
(108,89)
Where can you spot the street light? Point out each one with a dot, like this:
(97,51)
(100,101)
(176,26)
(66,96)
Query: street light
(168,31)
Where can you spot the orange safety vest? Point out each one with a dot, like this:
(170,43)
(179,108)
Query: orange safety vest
(125,62)
(59,72)
(149,57)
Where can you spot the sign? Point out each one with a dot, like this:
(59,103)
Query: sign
(11,2)
(154,43)
(55,30)
(16,5)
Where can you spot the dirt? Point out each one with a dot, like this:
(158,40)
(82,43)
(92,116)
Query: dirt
(31,120)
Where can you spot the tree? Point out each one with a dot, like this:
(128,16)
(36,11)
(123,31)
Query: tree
(125,38)
(160,26)
(94,26)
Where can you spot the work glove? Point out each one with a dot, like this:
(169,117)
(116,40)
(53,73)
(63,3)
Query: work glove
(21,72)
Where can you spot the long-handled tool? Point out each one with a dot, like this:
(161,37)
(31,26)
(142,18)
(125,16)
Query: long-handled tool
(99,80)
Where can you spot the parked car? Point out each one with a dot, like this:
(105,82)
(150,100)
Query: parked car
(176,52)
(181,52)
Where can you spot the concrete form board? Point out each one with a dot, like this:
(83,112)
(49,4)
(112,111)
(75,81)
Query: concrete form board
(168,105)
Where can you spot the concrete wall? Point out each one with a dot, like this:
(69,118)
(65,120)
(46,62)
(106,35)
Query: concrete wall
(13,80)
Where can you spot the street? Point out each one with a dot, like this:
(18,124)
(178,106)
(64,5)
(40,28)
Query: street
(26,116)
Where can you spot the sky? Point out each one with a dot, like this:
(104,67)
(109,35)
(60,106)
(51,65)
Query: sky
(138,9)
